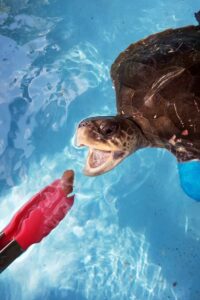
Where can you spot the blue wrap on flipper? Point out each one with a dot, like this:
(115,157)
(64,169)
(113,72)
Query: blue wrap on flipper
(189,173)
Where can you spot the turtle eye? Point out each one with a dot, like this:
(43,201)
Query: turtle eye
(108,129)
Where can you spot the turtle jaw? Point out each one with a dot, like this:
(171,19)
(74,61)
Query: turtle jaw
(100,161)
(103,154)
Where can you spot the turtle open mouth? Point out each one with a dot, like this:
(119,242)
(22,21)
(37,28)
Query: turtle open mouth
(103,154)
(100,161)
(97,158)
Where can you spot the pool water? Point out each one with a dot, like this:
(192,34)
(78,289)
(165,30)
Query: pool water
(132,233)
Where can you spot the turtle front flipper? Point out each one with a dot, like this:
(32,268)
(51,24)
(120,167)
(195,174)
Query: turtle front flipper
(189,174)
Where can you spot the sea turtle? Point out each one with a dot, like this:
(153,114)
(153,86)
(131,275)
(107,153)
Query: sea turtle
(157,83)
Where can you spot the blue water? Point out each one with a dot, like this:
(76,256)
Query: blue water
(132,233)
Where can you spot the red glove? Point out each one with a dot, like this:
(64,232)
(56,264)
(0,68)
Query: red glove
(38,217)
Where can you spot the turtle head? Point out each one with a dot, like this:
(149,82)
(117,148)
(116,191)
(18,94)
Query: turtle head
(110,140)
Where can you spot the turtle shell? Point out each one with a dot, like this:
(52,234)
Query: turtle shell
(157,82)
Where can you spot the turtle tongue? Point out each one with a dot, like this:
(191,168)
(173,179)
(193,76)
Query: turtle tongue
(98,157)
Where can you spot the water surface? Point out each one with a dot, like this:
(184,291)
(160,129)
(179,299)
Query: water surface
(132,233)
